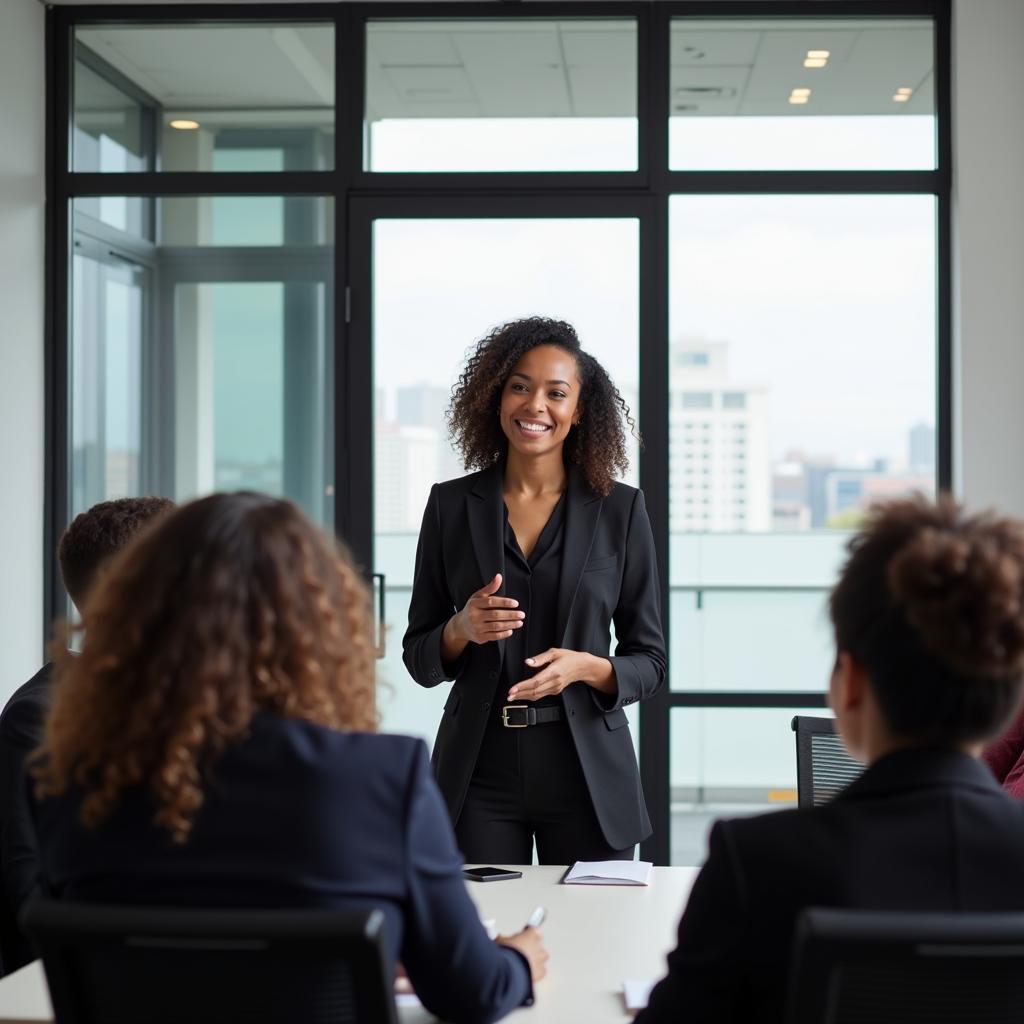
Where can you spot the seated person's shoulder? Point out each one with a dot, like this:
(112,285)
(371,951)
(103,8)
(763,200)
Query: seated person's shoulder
(380,753)
(772,843)
(26,709)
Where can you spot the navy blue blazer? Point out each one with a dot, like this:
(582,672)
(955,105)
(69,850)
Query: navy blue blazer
(297,816)
(21,731)
(609,574)
(921,829)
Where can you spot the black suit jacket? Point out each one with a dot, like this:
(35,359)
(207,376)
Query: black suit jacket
(920,830)
(608,575)
(21,731)
(298,815)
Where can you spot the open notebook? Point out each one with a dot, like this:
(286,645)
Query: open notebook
(608,872)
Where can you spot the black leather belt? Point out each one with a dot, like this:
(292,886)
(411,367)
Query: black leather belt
(519,716)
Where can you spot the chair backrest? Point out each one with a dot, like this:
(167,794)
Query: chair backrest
(823,767)
(132,965)
(889,967)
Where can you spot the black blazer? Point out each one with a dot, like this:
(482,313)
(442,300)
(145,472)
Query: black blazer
(609,574)
(21,731)
(919,830)
(298,815)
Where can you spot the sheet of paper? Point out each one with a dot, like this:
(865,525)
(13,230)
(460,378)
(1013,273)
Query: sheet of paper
(609,872)
(636,993)
(407,999)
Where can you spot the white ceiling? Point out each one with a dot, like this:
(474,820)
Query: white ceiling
(535,68)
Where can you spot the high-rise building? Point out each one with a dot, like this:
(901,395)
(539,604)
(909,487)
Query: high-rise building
(921,444)
(718,437)
(425,405)
(405,468)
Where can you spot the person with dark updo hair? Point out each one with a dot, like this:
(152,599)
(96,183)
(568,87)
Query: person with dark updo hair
(928,616)
(214,745)
(522,567)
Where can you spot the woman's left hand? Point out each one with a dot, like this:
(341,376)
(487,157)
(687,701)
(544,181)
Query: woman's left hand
(560,668)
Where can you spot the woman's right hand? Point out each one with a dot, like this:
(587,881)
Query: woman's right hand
(530,943)
(486,617)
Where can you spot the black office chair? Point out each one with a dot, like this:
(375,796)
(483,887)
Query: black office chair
(823,767)
(887,967)
(120,965)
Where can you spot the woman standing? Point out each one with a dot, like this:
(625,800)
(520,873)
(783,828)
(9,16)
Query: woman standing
(521,569)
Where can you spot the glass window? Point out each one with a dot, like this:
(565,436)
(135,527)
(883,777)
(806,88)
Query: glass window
(107,312)
(178,97)
(802,94)
(796,301)
(227,348)
(727,763)
(491,95)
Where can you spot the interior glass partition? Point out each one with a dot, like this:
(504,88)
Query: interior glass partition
(802,93)
(173,97)
(204,361)
(487,94)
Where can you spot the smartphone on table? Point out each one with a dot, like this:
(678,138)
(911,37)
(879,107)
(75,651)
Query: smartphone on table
(489,874)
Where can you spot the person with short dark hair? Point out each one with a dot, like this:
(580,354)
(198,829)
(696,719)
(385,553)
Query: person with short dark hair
(928,616)
(522,568)
(214,745)
(85,547)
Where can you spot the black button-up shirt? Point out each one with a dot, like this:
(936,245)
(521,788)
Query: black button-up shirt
(533,582)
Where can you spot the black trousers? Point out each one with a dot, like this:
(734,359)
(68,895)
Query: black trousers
(528,785)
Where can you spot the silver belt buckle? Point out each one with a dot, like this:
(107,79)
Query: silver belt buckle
(513,707)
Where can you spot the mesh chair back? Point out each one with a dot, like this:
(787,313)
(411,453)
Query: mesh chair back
(823,767)
(117,965)
(885,967)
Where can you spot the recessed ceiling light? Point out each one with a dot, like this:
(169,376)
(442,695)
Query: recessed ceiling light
(900,97)
(800,92)
(815,62)
(818,54)
(184,124)
(903,91)
(798,100)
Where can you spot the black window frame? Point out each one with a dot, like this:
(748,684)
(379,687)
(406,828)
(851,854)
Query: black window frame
(649,188)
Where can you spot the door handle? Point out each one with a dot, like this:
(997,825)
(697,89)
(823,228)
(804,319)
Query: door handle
(379,588)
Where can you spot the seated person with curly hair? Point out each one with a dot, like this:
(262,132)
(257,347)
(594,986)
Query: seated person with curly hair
(928,617)
(91,540)
(213,745)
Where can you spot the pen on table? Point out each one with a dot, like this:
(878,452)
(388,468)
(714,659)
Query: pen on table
(536,919)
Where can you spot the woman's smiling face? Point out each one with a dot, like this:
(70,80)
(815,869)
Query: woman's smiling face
(540,400)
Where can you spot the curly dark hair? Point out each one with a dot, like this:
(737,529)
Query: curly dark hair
(931,602)
(597,444)
(232,605)
(96,535)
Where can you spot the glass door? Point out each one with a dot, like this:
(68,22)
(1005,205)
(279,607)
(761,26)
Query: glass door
(434,285)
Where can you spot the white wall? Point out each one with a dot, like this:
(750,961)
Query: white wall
(22,117)
(988,205)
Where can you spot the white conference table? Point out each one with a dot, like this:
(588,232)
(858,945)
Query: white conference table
(598,936)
